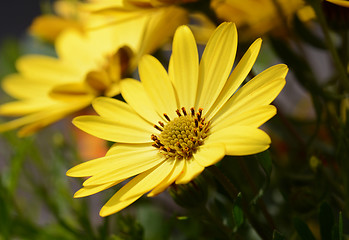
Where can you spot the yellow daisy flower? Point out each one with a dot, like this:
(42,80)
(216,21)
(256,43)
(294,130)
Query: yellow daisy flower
(255,18)
(175,124)
(88,65)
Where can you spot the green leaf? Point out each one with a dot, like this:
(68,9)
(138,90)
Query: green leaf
(238,213)
(265,161)
(278,236)
(303,230)
(326,221)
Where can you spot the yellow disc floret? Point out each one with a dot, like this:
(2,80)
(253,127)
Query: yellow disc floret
(180,137)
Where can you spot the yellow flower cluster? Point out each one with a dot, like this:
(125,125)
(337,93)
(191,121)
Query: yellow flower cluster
(173,123)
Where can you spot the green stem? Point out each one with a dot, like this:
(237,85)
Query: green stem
(338,64)
(233,192)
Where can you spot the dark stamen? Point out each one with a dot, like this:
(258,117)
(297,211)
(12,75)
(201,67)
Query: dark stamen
(178,113)
(196,123)
(161,124)
(158,128)
(167,118)
(155,145)
(192,110)
(184,111)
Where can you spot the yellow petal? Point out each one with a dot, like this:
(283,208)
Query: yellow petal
(24,107)
(90,190)
(116,159)
(50,69)
(115,130)
(185,66)
(160,28)
(237,76)
(146,181)
(209,154)
(240,140)
(342,3)
(110,108)
(157,85)
(38,120)
(135,95)
(178,169)
(115,205)
(69,91)
(216,63)
(259,91)
(125,165)
(190,171)
(253,118)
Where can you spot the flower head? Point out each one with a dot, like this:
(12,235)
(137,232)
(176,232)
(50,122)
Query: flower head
(88,65)
(255,18)
(175,124)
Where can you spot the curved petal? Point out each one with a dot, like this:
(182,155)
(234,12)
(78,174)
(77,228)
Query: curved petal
(209,154)
(90,190)
(252,118)
(119,156)
(110,108)
(146,181)
(38,120)
(134,94)
(178,169)
(114,205)
(185,66)
(120,129)
(24,107)
(216,64)
(157,85)
(240,140)
(21,87)
(190,171)
(126,165)
(50,69)
(257,92)
(238,75)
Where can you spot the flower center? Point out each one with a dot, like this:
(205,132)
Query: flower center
(181,137)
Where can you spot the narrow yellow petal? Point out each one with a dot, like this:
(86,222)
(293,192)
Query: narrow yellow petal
(253,118)
(216,64)
(114,205)
(209,154)
(178,169)
(342,3)
(38,120)
(24,107)
(157,85)
(259,91)
(25,88)
(119,156)
(238,75)
(241,140)
(146,181)
(185,66)
(190,171)
(90,190)
(135,95)
(112,109)
(116,130)
(50,69)
(126,165)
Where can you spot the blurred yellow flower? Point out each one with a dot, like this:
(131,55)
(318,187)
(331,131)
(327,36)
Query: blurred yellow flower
(256,17)
(88,65)
(175,124)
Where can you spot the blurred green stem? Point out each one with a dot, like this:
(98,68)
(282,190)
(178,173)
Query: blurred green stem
(316,4)
(233,192)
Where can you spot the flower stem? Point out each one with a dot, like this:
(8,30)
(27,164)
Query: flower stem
(338,64)
(233,192)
